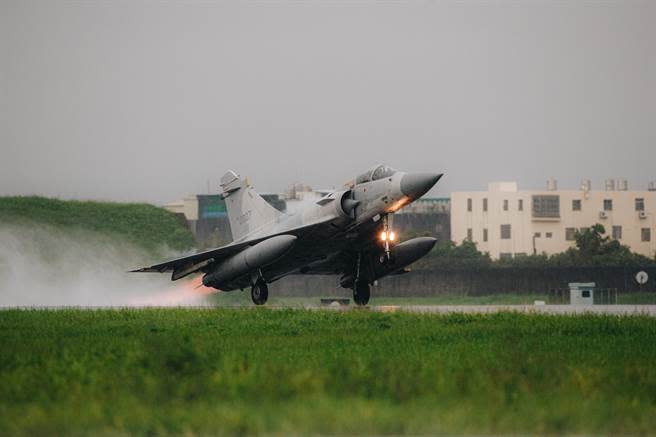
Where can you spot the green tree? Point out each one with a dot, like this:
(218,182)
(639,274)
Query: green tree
(448,254)
(591,242)
(593,248)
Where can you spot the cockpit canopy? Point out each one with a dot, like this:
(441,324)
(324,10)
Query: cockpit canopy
(378,172)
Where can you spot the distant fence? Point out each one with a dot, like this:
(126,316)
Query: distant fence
(475,282)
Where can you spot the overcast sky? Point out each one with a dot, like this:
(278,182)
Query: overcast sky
(149,101)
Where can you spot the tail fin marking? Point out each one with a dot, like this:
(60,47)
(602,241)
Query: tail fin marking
(247,210)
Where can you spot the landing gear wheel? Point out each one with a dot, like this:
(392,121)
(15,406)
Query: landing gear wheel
(259,292)
(361,293)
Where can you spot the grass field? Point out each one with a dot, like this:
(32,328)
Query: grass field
(141,224)
(219,371)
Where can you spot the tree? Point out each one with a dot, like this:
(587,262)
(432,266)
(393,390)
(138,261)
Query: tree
(593,248)
(448,254)
(591,242)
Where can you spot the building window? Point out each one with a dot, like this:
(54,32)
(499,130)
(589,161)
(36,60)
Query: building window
(645,234)
(548,234)
(537,235)
(505,256)
(470,235)
(570,234)
(505,232)
(617,232)
(485,204)
(505,204)
(546,205)
(608,204)
(520,205)
(469,205)
(576,205)
(485,234)
(640,204)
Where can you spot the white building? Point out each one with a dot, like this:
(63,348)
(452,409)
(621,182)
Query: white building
(506,222)
(187,206)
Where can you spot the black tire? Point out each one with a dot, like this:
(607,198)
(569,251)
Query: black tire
(259,293)
(361,293)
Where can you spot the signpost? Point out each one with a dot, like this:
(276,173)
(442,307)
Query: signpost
(641,277)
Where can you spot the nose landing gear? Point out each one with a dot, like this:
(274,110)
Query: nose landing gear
(387,236)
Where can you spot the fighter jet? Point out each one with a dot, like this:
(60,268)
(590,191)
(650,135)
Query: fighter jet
(347,232)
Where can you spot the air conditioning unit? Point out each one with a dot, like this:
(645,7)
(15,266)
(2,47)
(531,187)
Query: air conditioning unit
(642,215)
(603,214)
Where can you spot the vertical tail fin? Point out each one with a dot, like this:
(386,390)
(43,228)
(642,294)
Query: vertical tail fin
(247,210)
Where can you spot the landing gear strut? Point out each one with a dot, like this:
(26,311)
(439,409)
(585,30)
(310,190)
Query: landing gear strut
(361,292)
(387,236)
(259,292)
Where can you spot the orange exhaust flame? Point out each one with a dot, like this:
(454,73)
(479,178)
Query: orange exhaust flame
(184,293)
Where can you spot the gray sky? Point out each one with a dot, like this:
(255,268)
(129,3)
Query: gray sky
(147,101)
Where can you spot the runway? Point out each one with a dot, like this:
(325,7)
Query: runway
(645,310)
(649,310)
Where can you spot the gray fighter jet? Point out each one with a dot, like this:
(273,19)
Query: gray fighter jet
(346,232)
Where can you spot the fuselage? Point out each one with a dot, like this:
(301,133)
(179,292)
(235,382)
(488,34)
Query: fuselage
(338,234)
(348,218)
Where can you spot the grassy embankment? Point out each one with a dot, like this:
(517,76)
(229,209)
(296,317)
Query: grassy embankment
(292,371)
(148,227)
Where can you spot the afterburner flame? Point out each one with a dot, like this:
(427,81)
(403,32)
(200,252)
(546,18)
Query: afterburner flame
(190,292)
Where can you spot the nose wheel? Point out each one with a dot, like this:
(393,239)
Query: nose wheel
(259,292)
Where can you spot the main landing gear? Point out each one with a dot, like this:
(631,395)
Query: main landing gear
(259,292)
(361,292)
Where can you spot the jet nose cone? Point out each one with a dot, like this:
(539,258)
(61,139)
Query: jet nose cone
(415,185)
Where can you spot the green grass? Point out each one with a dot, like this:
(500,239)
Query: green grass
(147,226)
(259,371)
(637,298)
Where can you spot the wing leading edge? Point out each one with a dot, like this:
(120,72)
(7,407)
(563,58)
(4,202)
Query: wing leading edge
(189,264)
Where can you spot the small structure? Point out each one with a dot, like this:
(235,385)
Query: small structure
(581,293)
(331,301)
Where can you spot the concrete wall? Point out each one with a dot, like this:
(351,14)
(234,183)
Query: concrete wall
(481,282)
(212,232)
